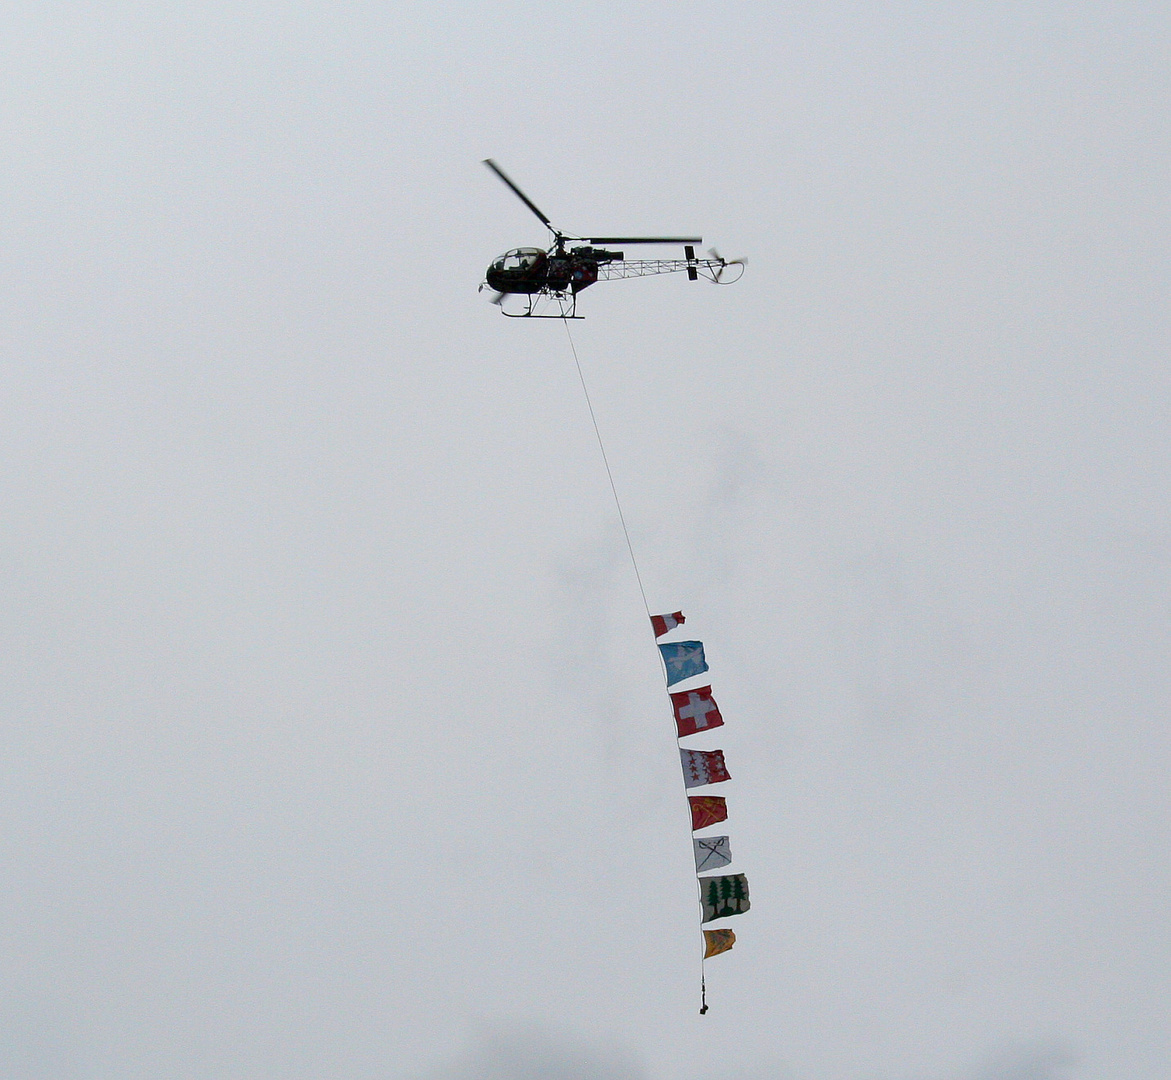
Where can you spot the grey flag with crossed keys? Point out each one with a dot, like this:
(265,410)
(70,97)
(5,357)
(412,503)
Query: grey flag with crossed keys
(711,852)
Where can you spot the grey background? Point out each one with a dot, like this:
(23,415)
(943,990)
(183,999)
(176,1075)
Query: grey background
(334,741)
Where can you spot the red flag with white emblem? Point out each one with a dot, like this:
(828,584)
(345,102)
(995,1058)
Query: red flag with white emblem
(663,623)
(707,810)
(695,710)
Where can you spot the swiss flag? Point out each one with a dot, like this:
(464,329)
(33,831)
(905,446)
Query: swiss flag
(695,710)
(663,623)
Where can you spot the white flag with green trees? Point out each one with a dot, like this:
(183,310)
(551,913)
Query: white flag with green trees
(723,896)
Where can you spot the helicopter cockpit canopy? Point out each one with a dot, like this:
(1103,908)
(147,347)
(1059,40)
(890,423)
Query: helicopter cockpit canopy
(519,260)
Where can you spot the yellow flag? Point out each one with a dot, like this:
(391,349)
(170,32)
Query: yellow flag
(717,941)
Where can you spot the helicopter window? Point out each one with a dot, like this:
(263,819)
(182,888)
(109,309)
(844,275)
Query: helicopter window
(519,259)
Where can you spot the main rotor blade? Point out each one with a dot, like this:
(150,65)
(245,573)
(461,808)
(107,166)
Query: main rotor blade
(518,193)
(644,239)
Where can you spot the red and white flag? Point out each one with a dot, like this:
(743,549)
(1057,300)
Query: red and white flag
(695,710)
(703,767)
(663,623)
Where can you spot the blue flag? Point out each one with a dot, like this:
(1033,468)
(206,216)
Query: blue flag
(683,659)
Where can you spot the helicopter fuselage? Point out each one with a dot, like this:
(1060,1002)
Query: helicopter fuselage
(531,270)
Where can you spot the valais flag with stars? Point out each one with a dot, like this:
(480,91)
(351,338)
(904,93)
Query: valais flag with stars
(665,623)
(695,710)
(702,767)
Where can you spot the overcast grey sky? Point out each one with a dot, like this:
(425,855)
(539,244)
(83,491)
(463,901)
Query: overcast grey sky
(334,738)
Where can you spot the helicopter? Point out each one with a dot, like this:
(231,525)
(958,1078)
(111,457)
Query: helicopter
(558,274)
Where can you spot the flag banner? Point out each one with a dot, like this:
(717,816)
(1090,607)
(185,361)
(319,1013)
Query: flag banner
(664,623)
(683,659)
(703,767)
(695,710)
(724,896)
(707,810)
(716,942)
(711,852)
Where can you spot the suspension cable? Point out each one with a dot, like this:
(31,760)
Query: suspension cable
(606,462)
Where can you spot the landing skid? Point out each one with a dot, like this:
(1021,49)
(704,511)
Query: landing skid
(565,302)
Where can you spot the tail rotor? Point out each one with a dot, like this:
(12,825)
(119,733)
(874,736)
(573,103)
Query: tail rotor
(719,271)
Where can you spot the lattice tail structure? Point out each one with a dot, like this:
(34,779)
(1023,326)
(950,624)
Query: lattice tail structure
(712,269)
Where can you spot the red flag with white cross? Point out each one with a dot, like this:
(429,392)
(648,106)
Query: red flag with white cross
(695,710)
